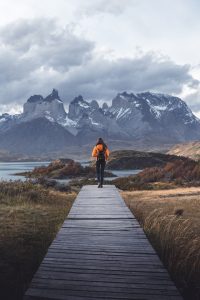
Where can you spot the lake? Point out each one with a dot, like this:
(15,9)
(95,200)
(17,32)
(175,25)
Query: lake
(122,173)
(8,169)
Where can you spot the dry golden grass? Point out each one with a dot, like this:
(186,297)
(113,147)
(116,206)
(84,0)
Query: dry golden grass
(171,220)
(30,217)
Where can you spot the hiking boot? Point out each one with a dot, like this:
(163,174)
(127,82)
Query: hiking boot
(99,185)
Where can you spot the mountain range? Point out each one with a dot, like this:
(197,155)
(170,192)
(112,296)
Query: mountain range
(138,121)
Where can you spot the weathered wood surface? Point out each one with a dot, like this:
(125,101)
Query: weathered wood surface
(101,252)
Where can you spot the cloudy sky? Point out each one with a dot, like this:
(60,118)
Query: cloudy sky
(98,48)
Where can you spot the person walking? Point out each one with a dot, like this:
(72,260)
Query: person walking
(101,152)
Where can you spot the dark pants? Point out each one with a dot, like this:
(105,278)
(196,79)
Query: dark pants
(100,166)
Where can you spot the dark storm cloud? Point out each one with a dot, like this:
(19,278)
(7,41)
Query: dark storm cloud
(103,78)
(42,43)
(37,55)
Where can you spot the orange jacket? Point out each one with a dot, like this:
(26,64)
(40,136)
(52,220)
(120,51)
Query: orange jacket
(98,148)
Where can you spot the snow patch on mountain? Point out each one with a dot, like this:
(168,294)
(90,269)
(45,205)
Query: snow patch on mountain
(157,110)
(93,122)
(65,122)
(121,112)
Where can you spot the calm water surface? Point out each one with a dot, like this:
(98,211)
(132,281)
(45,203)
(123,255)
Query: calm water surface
(8,169)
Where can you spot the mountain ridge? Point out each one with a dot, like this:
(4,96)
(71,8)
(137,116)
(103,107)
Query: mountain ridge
(142,119)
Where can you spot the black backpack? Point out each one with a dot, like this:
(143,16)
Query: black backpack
(101,154)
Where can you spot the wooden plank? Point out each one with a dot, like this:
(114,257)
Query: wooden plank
(101,252)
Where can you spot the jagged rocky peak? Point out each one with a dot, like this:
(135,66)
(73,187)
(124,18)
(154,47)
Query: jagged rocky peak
(105,106)
(38,98)
(94,104)
(123,99)
(51,107)
(79,100)
(77,107)
(157,99)
(154,101)
(152,110)
(53,96)
(164,104)
(165,100)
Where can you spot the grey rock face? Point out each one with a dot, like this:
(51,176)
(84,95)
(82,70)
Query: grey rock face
(35,98)
(94,104)
(126,109)
(50,107)
(89,116)
(105,106)
(53,96)
(77,108)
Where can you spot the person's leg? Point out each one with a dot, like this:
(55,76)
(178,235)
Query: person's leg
(98,171)
(103,163)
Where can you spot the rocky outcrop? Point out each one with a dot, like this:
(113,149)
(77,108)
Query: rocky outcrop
(78,108)
(50,107)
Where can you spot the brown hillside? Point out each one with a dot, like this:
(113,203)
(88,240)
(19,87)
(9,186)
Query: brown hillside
(131,159)
(175,173)
(191,150)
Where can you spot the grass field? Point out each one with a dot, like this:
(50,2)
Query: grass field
(171,220)
(30,217)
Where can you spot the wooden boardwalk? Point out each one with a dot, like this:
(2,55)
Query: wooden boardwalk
(99,253)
